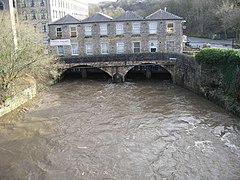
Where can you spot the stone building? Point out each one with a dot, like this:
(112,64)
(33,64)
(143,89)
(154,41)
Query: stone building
(42,12)
(128,33)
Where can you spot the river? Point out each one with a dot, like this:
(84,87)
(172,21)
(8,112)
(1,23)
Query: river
(93,130)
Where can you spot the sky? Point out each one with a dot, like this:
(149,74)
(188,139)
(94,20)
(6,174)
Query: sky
(97,1)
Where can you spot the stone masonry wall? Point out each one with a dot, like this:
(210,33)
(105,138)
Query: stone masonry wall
(128,38)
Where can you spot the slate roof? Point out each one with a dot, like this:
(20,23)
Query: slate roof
(68,19)
(161,14)
(97,17)
(128,15)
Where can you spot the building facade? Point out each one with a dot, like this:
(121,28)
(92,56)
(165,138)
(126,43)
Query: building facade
(42,12)
(126,34)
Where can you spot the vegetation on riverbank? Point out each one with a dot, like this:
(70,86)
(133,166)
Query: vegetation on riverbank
(26,58)
(227,89)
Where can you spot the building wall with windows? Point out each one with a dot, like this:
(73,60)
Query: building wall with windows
(103,35)
(42,12)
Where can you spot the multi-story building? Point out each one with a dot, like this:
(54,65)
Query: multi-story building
(42,12)
(128,33)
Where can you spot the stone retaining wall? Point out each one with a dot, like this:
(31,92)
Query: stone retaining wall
(18,99)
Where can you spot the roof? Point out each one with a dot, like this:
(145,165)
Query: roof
(161,14)
(97,17)
(128,15)
(68,19)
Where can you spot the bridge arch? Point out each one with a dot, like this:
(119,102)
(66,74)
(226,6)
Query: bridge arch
(83,71)
(148,69)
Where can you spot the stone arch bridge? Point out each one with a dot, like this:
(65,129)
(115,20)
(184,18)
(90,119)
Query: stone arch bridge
(118,65)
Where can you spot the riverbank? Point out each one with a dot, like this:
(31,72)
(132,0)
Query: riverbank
(25,90)
(207,82)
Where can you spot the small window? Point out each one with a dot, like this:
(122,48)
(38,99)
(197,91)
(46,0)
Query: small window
(119,28)
(43,14)
(60,50)
(170,28)
(74,49)
(103,29)
(32,4)
(89,49)
(73,31)
(120,47)
(153,46)
(42,3)
(136,28)
(59,32)
(1,5)
(33,14)
(153,28)
(104,48)
(45,40)
(136,47)
(88,30)
(44,28)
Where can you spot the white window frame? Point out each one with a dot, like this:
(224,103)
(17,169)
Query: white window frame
(70,29)
(59,32)
(136,28)
(103,50)
(88,29)
(133,47)
(155,42)
(103,29)
(58,52)
(87,49)
(170,30)
(120,47)
(74,51)
(153,27)
(119,28)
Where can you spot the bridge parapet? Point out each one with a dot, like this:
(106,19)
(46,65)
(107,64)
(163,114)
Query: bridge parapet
(125,57)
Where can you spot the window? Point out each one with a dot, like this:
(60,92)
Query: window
(73,31)
(33,14)
(104,48)
(120,47)
(32,4)
(42,3)
(1,5)
(103,29)
(153,28)
(89,49)
(170,28)
(44,28)
(88,30)
(136,47)
(170,46)
(45,40)
(153,46)
(119,28)
(25,15)
(59,32)
(43,15)
(74,49)
(60,50)
(136,28)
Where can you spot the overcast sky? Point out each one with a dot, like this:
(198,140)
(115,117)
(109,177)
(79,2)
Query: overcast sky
(97,1)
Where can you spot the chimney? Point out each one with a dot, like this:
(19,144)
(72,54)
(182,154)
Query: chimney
(165,9)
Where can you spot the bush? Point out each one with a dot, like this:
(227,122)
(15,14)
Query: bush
(215,57)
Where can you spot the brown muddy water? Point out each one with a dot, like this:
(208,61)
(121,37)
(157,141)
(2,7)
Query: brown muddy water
(93,130)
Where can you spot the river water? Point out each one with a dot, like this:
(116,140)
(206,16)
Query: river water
(93,130)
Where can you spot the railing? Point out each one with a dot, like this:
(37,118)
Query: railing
(126,57)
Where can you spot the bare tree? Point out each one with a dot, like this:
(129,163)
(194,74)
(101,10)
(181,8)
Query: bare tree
(27,58)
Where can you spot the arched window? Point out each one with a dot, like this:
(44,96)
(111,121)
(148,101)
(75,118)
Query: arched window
(1,5)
